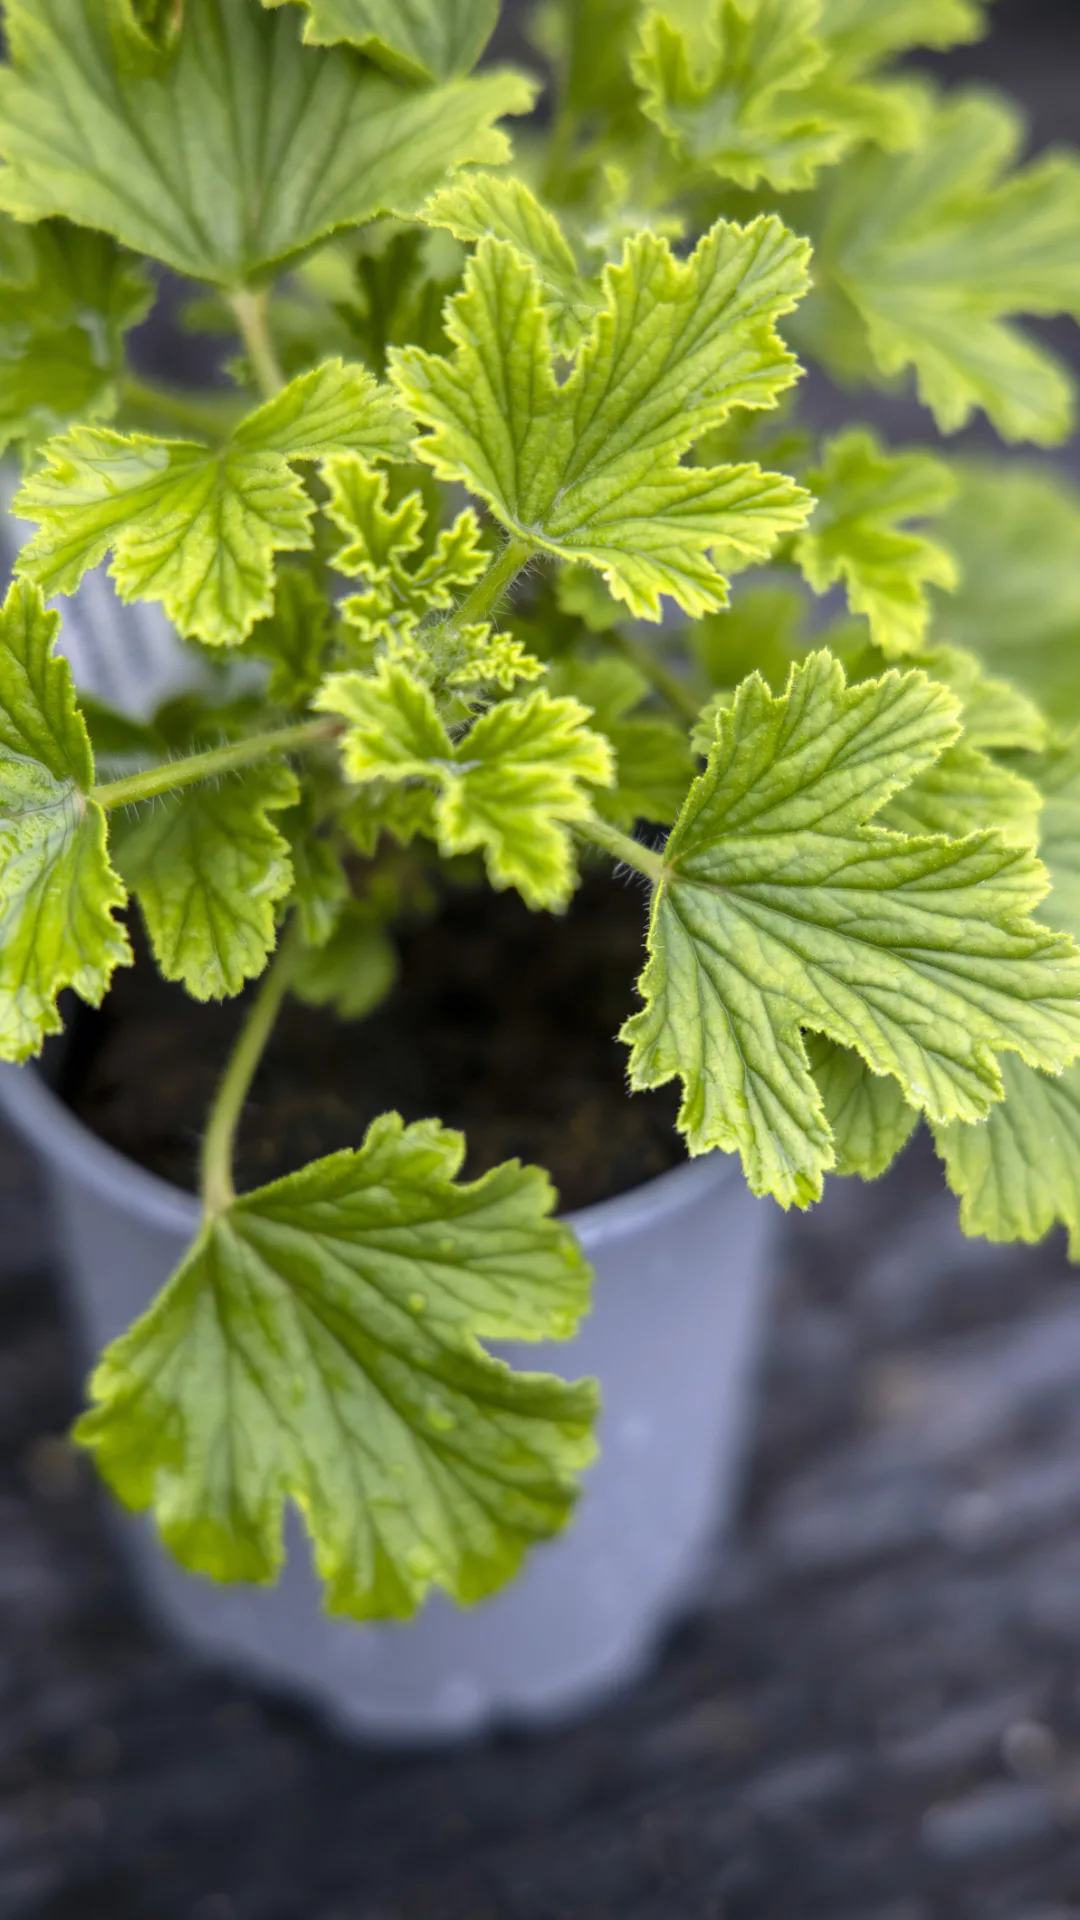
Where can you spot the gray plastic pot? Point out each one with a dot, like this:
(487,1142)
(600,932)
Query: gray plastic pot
(682,1269)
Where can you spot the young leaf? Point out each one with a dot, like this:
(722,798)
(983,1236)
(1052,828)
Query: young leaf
(867,1115)
(858,534)
(384,548)
(934,250)
(483,204)
(353,971)
(1016,534)
(780,909)
(426,40)
(733,92)
(591,469)
(185,163)
(511,787)
(654,765)
(197,527)
(66,300)
(208,867)
(58,893)
(321,1343)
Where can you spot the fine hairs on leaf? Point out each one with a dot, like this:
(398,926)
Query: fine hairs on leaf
(501,551)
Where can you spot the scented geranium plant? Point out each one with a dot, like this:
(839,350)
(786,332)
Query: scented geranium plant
(515,557)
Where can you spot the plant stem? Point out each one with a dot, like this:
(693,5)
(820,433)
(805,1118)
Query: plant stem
(629,853)
(218,1191)
(251,306)
(489,590)
(172,774)
(666,682)
(211,418)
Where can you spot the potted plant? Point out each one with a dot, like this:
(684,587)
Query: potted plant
(452,561)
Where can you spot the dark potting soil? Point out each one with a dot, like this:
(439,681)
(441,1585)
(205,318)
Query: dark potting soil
(502,1024)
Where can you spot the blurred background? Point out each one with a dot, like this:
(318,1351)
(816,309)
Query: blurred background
(875,1713)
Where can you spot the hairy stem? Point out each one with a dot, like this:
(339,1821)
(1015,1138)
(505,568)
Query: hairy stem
(218,1191)
(628,852)
(210,418)
(252,309)
(172,774)
(489,590)
(667,683)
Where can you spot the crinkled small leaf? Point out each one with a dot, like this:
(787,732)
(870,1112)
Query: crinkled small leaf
(208,867)
(293,638)
(58,893)
(238,153)
(510,787)
(423,39)
(352,971)
(406,576)
(321,1344)
(1016,533)
(780,909)
(654,764)
(66,300)
(860,534)
(590,469)
(932,252)
(866,1112)
(196,527)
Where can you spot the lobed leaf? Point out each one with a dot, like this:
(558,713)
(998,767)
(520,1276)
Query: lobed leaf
(591,469)
(321,1344)
(781,909)
(197,527)
(424,40)
(511,787)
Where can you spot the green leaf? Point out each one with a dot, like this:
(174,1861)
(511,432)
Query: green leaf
(734,93)
(385,548)
(498,205)
(858,534)
(511,786)
(858,33)
(996,714)
(425,40)
(208,868)
(321,1343)
(186,163)
(932,252)
(780,909)
(58,893)
(654,765)
(353,971)
(589,469)
(1016,534)
(293,638)
(867,1115)
(197,527)
(761,632)
(66,300)
(320,884)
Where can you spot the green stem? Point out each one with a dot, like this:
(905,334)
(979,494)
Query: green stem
(489,590)
(172,774)
(674,690)
(218,1191)
(629,853)
(210,418)
(251,306)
